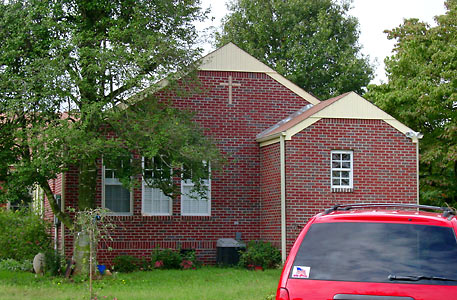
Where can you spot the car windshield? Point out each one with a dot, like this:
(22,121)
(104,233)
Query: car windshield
(377,252)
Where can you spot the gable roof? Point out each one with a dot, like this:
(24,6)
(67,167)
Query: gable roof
(346,106)
(230,57)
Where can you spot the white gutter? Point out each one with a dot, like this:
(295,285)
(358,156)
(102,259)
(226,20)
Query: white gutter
(283,195)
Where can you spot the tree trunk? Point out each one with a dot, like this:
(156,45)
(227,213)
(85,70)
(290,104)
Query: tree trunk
(81,253)
(87,184)
(86,200)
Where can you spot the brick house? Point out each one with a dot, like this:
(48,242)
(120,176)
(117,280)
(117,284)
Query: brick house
(290,155)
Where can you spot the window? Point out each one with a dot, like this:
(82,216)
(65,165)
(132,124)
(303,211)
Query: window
(115,197)
(194,203)
(342,169)
(378,250)
(155,202)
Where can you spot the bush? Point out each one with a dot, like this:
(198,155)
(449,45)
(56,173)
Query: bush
(166,259)
(125,263)
(260,253)
(53,263)
(14,265)
(23,235)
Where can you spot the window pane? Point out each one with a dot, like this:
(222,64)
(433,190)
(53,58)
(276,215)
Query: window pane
(336,164)
(345,174)
(336,174)
(155,201)
(148,174)
(109,173)
(193,204)
(377,251)
(117,198)
(346,165)
(148,164)
(336,156)
(346,156)
(345,182)
(336,182)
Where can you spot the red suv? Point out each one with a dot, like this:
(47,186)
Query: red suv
(374,252)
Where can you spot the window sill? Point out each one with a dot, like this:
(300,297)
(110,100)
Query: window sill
(155,215)
(114,214)
(342,189)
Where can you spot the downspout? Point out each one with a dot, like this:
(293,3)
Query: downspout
(415,137)
(416,140)
(62,208)
(282,158)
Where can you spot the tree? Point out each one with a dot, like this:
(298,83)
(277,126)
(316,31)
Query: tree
(422,92)
(93,59)
(312,43)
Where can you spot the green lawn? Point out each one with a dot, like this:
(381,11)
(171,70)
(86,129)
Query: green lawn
(206,283)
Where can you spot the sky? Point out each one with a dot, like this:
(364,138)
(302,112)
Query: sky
(374,17)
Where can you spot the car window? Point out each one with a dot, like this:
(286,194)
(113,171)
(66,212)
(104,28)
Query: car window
(370,252)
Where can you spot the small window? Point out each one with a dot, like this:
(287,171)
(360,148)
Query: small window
(342,169)
(115,197)
(193,203)
(155,202)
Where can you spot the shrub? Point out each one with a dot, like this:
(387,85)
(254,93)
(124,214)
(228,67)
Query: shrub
(260,253)
(10,264)
(125,263)
(53,263)
(23,235)
(189,260)
(166,259)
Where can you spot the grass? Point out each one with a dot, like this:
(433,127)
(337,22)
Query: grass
(204,284)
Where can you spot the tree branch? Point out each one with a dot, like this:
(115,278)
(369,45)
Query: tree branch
(62,216)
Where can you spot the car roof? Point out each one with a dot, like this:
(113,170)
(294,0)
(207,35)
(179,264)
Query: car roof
(386,216)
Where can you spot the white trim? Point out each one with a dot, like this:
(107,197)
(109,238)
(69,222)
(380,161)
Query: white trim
(103,197)
(342,169)
(282,154)
(143,187)
(189,183)
(351,106)
(232,58)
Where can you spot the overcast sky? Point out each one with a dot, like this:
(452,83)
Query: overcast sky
(374,17)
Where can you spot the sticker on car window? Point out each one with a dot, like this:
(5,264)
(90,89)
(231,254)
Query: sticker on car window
(301,272)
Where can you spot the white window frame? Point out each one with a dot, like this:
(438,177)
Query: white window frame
(144,186)
(350,169)
(130,213)
(188,183)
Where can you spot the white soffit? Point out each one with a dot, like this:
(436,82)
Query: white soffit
(232,58)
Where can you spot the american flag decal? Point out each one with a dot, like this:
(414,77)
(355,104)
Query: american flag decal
(301,272)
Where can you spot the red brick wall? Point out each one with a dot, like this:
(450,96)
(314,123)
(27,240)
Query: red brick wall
(384,167)
(258,103)
(270,184)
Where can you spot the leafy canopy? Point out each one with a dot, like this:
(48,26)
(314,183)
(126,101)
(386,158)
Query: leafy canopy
(422,92)
(312,43)
(87,58)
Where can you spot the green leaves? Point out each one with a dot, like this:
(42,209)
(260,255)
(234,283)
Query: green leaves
(422,93)
(312,43)
(68,71)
